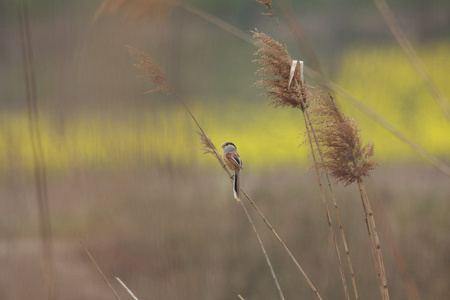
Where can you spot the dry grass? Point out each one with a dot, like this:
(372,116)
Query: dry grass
(156,75)
(330,134)
(133,10)
(287,87)
(191,241)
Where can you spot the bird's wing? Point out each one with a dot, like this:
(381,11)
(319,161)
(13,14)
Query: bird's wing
(235,159)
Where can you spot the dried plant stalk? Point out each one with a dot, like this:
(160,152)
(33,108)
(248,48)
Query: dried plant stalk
(134,10)
(417,64)
(312,135)
(373,233)
(154,72)
(269,6)
(156,75)
(39,164)
(285,86)
(271,13)
(347,161)
(86,250)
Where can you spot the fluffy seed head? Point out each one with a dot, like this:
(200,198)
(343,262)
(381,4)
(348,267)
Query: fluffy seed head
(275,69)
(345,157)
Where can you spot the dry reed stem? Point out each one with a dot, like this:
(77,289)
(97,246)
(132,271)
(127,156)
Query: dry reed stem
(133,10)
(299,35)
(227,27)
(285,247)
(263,249)
(40,174)
(156,75)
(372,246)
(268,4)
(410,285)
(206,142)
(277,73)
(210,148)
(99,270)
(309,126)
(376,240)
(324,201)
(126,288)
(154,72)
(348,162)
(310,130)
(406,46)
(336,208)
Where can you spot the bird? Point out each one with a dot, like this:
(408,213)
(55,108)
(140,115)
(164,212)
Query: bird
(234,162)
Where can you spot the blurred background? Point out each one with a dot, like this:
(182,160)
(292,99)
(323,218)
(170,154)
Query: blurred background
(124,172)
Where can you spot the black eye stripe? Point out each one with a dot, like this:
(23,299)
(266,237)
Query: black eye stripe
(229,144)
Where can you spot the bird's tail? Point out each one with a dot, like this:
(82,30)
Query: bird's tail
(237,187)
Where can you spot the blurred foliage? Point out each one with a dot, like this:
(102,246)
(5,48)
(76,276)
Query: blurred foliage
(383,78)
(380,76)
(163,134)
(161,137)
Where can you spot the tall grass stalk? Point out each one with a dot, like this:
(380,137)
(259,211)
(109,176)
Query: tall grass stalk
(348,162)
(343,155)
(376,241)
(91,258)
(310,131)
(389,237)
(406,46)
(127,289)
(336,208)
(276,72)
(263,249)
(156,75)
(40,174)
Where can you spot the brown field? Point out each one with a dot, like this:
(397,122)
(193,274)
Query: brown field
(179,234)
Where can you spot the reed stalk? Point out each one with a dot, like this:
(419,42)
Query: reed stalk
(39,165)
(276,72)
(99,270)
(156,75)
(412,56)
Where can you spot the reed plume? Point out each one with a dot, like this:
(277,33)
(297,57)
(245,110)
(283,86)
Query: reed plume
(284,84)
(275,69)
(153,72)
(345,157)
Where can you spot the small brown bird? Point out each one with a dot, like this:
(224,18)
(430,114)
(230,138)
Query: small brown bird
(234,162)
